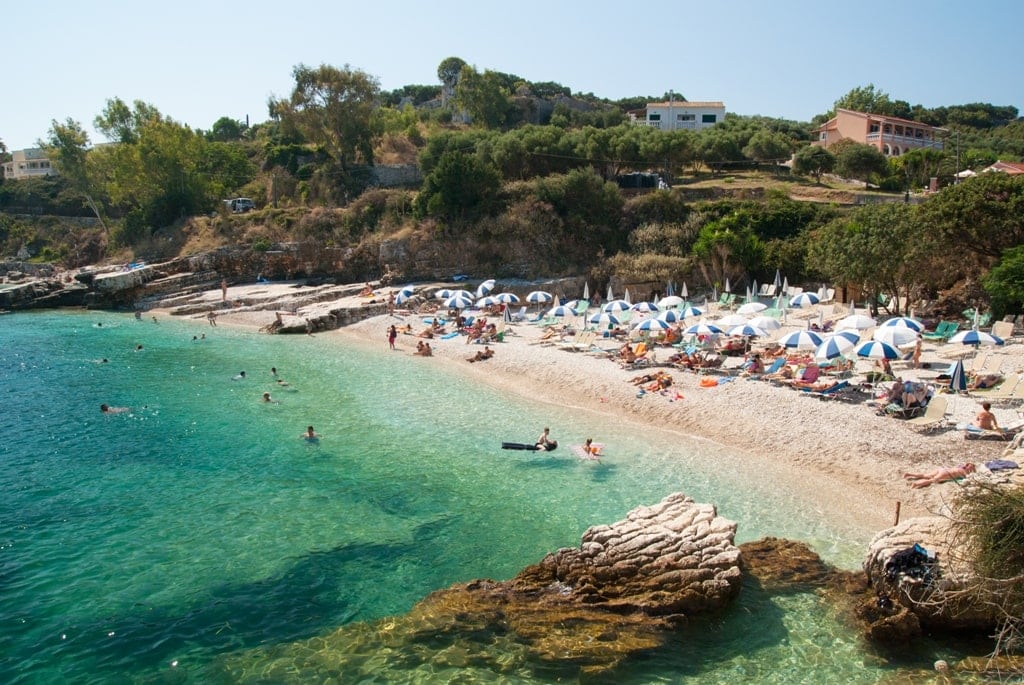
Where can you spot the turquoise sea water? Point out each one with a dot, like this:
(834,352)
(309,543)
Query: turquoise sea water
(198,528)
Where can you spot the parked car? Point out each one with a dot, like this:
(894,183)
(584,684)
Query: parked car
(240,205)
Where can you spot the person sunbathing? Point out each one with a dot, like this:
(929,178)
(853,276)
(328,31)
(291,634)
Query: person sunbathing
(483,355)
(923,480)
(784,374)
(426,333)
(989,380)
(366,291)
(645,378)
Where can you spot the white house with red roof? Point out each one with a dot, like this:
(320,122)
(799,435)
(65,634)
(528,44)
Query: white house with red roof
(1012,168)
(680,115)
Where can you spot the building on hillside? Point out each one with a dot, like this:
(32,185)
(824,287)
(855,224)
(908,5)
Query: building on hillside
(677,115)
(1012,168)
(28,163)
(892,136)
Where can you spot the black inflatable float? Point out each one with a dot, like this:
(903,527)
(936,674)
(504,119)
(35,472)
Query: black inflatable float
(529,447)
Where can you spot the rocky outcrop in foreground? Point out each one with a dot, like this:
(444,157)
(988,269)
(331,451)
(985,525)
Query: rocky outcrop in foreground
(621,592)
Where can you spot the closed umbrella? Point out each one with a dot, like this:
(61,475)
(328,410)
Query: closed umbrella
(670,301)
(958,378)
(785,286)
(778,279)
(858,322)
(727,287)
(586,291)
(804,300)
(801,340)
(874,349)
(625,296)
(905,322)
(684,293)
(611,295)
(539,297)
(751,308)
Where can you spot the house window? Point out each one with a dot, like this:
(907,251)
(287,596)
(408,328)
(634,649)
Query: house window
(653,117)
(823,135)
(873,128)
(684,117)
(708,118)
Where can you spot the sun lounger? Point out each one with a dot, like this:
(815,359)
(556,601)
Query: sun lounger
(828,393)
(933,417)
(1003,391)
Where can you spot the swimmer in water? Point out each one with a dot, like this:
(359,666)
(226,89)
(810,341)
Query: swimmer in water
(106,409)
(240,376)
(310,435)
(268,400)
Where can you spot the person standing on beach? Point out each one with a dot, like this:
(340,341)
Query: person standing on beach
(917,352)
(392,336)
(391,303)
(223,290)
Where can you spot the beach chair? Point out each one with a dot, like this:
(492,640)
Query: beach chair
(579,342)
(775,366)
(1003,330)
(828,393)
(520,315)
(934,415)
(1003,391)
(943,331)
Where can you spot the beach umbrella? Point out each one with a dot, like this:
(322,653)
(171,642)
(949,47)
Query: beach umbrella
(507,298)
(753,287)
(684,293)
(905,322)
(785,286)
(404,294)
(652,325)
(689,312)
(586,291)
(858,322)
(765,323)
(727,287)
(731,320)
(897,336)
(611,295)
(703,329)
(539,297)
(778,279)
(804,300)
(834,346)
(671,315)
(485,288)
(644,307)
(462,293)
(604,319)
(801,340)
(747,331)
(853,308)
(561,311)
(974,337)
(957,377)
(874,349)
(488,301)
(625,296)
(670,301)
(572,304)
(751,308)
(669,290)
(443,293)
(616,306)
(458,301)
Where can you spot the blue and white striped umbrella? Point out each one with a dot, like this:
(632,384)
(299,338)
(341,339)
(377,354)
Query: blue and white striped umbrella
(604,319)
(458,302)
(747,331)
(801,340)
(443,293)
(645,307)
(670,301)
(671,315)
(703,329)
(804,300)
(561,311)
(539,297)
(404,294)
(874,349)
(905,322)
(652,325)
(507,298)
(975,337)
(487,301)
(616,306)
(835,346)
(957,378)
(691,312)
(485,288)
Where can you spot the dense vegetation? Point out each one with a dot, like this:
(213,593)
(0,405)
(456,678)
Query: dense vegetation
(507,162)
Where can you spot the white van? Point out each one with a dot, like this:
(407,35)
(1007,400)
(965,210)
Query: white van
(240,205)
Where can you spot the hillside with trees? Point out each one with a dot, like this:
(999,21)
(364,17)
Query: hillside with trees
(519,179)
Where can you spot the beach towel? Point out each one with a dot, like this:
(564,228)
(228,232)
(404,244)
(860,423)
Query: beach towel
(1000,465)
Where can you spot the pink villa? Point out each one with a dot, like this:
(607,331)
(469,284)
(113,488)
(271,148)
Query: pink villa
(892,136)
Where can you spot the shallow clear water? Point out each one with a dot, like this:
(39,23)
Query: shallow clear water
(156,543)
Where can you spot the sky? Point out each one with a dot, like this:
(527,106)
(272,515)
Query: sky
(199,61)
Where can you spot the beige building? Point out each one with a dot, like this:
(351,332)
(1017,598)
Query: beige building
(676,115)
(892,136)
(28,163)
